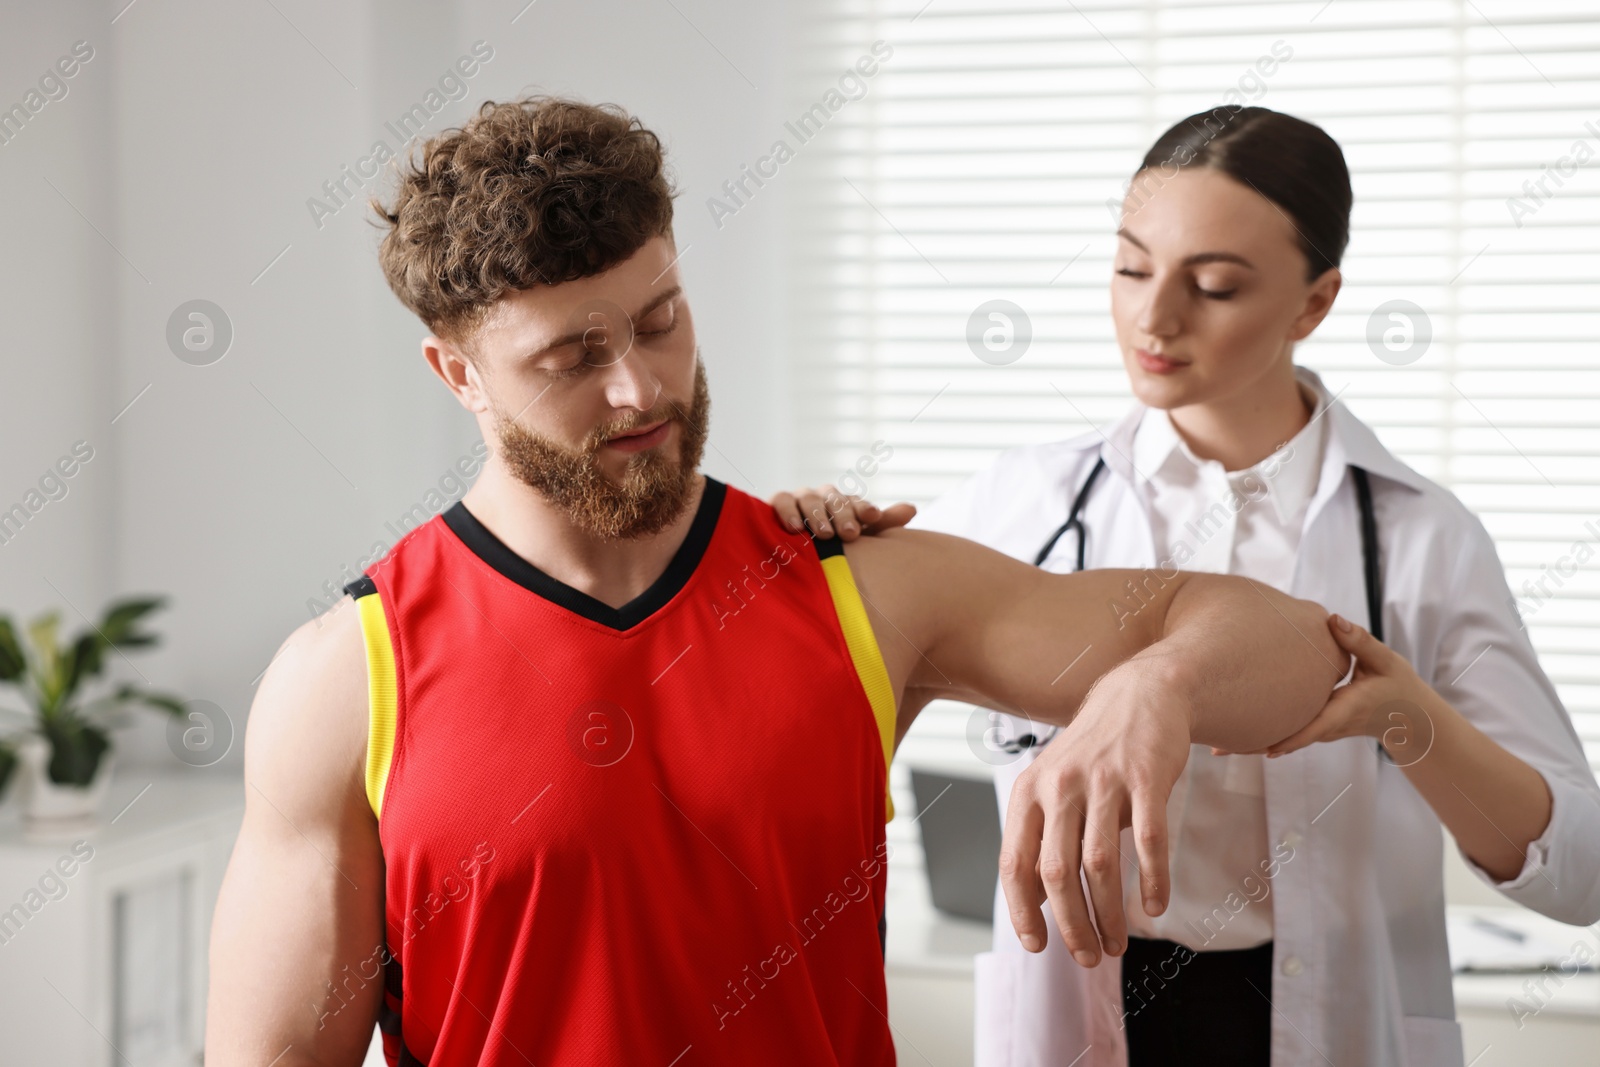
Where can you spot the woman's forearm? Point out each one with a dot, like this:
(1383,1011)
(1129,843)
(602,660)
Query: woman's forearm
(1464,774)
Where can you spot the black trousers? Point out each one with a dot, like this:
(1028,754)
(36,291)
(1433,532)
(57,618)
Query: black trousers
(1197,1008)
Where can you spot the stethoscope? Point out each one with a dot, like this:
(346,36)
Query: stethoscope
(1369,561)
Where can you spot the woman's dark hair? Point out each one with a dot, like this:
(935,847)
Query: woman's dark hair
(1290,161)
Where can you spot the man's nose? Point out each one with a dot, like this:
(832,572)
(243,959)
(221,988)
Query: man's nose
(630,383)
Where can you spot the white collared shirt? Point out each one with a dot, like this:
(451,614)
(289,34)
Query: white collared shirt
(1245,522)
(1361,968)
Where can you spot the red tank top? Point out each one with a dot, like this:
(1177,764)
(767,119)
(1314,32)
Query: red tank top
(651,834)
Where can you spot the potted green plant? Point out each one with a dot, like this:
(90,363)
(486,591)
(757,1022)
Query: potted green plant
(64,749)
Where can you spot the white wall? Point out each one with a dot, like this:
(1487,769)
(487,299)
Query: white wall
(56,292)
(193,141)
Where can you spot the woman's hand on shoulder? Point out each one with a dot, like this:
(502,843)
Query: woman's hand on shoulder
(828,511)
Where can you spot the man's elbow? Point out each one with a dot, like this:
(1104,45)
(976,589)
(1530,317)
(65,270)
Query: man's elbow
(1329,663)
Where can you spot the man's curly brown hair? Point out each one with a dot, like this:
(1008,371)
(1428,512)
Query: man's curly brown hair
(542,190)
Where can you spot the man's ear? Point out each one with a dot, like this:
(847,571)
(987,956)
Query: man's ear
(1319,301)
(459,372)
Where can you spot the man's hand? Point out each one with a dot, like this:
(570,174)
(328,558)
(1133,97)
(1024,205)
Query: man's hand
(826,510)
(1113,767)
(1180,659)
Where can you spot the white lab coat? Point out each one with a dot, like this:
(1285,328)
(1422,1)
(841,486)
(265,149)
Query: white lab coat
(1361,971)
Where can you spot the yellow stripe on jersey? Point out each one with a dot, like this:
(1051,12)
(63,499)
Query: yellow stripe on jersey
(865,654)
(381,701)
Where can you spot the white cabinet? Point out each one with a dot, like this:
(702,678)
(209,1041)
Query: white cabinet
(104,928)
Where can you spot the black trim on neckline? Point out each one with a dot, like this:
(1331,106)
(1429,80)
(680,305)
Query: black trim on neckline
(493,551)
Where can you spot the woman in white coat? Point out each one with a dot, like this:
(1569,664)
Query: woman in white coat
(1306,918)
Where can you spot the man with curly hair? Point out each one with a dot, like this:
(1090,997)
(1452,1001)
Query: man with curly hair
(597,770)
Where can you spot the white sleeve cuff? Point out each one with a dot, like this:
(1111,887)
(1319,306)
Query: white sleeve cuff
(1560,875)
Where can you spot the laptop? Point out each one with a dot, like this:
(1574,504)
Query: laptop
(959,822)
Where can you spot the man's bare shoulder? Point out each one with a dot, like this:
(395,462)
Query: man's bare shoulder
(307,734)
(303,892)
(922,589)
(918,570)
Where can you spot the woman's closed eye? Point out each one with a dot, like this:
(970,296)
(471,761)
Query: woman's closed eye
(1210,293)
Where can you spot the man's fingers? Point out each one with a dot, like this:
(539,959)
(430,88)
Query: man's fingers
(1102,867)
(1150,842)
(1019,868)
(1060,861)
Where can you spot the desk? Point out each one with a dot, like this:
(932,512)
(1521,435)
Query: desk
(929,965)
(1512,1020)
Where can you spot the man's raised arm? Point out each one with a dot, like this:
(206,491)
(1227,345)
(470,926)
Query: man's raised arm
(1137,664)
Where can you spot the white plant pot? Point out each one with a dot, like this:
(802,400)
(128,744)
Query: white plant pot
(44,800)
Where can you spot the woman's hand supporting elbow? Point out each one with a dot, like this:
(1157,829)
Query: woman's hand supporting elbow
(1461,772)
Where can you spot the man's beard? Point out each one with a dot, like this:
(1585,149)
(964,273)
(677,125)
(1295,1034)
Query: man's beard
(654,489)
